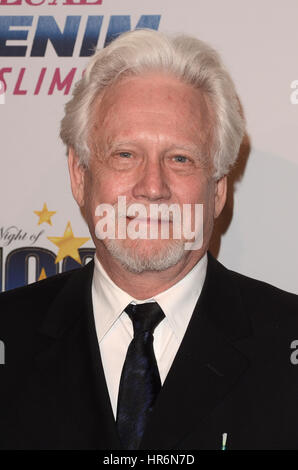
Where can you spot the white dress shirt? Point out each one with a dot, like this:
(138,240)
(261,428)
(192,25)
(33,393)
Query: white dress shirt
(115,330)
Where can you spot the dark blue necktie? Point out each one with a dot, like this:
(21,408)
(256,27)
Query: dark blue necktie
(140,381)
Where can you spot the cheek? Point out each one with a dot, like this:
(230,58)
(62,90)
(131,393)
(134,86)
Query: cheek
(203,193)
(91,191)
(208,217)
(195,190)
(209,201)
(103,187)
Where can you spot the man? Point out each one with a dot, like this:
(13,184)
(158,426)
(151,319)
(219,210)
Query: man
(151,345)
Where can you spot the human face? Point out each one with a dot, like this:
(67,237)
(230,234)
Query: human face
(150,142)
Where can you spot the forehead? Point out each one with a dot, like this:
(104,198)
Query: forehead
(154,103)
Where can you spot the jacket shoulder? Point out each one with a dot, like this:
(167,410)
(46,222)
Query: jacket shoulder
(24,305)
(44,286)
(267,303)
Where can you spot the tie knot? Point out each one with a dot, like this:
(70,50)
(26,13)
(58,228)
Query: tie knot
(145,317)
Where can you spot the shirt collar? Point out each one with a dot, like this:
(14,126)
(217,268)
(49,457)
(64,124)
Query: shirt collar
(177,302)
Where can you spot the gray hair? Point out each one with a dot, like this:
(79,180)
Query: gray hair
(192,61)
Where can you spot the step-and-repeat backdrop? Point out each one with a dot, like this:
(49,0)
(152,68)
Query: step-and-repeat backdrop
(44,47)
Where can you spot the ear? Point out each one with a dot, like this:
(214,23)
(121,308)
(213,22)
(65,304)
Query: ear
(220,195)
(77,176)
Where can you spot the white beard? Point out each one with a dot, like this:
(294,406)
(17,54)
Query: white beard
(136,260)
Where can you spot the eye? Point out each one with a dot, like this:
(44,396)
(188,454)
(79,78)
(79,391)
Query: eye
(181,159)
(122,160)
(125,154)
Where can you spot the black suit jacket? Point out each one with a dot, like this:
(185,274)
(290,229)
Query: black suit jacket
(232,373)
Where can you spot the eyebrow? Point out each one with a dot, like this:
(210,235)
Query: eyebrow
(178,147)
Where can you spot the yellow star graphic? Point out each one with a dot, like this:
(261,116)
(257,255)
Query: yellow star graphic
(68,245)
(45,215)
(42,275)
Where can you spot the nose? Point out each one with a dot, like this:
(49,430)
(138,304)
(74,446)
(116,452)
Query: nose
(152,184)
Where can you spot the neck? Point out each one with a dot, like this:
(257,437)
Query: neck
(148,283)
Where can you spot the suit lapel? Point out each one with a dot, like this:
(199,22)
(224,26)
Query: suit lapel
(207,365)
(70,371)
